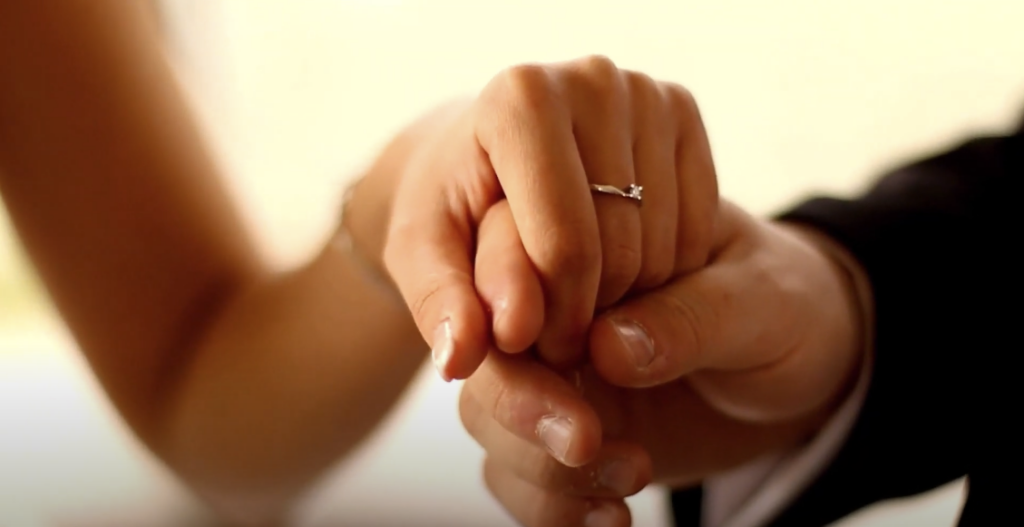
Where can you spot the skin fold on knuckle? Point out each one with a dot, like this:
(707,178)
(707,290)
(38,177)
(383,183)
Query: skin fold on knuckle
(682,103)
(655,272)
(522,91)
(689,322)
(569,253)
(422,305)
(551,475)
(502,403)
(648,107)
(515,99)
(600,69)
(471,412)
(619,270)
(601,84)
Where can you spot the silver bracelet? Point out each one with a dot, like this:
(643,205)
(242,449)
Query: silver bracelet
(344,242)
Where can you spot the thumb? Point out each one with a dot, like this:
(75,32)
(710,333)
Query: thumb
(429,255)
(714,318)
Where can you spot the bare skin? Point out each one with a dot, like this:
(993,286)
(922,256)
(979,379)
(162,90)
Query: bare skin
(249,382)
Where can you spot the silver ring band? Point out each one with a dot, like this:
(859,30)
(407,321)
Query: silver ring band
(633,192)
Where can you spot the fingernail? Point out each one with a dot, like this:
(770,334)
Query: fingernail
(603,515)
(442,348)
(556,434)
(618,476)
(636,340)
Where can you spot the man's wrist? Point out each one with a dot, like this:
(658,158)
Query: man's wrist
(857,296)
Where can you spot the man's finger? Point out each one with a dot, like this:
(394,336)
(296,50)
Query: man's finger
(535,507)
(533,403)
(620,470)
(712,319)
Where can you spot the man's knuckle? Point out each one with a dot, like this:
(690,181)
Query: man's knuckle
(550,474)
(470,412)
(690,323)
(502,405)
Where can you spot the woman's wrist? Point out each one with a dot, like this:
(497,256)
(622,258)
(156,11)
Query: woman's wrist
(362,229)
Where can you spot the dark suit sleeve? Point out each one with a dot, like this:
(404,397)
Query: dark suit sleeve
(935,240)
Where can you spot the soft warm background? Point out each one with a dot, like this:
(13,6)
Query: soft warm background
(798,96)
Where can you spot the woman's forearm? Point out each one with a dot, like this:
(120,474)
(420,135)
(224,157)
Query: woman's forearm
(294,373)
(299,369)
(247,382)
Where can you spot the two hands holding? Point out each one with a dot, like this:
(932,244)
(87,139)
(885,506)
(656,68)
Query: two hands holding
(610,343)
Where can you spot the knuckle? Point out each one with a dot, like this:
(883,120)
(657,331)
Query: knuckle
(502,406)
(602,80)
(421,306)
(690,322)
(551,475)
(492,476)
(642,87)
(566,250)
(681,101)
(621,265)
(785,286)
(598,67)
(654,274)
(649,106)
(469,411)
(526,87)
(693,248)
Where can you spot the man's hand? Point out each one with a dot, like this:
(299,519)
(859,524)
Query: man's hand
(745,356)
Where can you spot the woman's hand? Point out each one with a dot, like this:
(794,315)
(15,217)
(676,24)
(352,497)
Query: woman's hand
(538,136)
(745,356)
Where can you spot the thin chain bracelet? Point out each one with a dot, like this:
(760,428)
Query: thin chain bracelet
(342,241)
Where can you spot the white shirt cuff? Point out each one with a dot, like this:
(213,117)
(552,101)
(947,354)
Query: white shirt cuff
(754,494)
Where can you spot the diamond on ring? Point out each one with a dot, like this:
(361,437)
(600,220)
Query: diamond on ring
(633,192)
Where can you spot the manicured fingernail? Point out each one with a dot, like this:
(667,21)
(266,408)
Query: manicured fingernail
(618,476)
(603,515)
(442,348)
(636,340)
(556,434)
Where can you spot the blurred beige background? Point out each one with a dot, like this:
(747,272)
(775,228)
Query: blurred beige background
(799,96)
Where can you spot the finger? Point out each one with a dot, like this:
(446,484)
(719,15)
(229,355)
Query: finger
(655,167)
(428,258)
(533,403)
(697,181)
(620,469)
(714,318)
(534,507)
(603,127)
(527,134)
(507,282)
